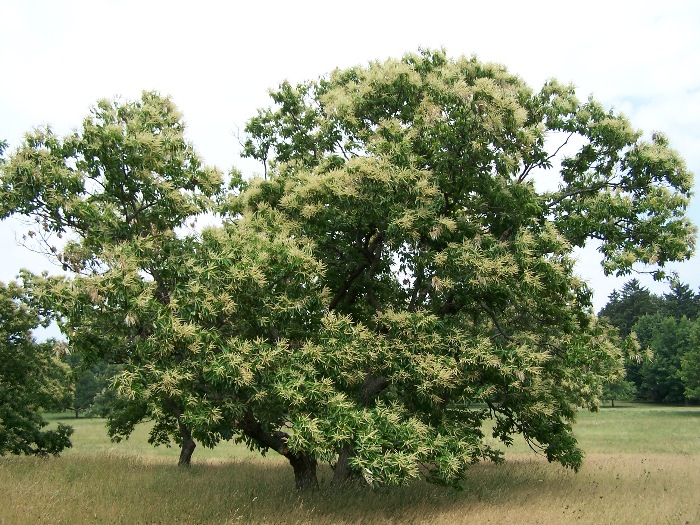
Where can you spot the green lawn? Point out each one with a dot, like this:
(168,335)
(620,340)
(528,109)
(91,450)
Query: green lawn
(90,437)
(639,428)
(642,429)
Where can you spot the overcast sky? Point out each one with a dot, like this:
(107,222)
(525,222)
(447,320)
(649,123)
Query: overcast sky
(218,59)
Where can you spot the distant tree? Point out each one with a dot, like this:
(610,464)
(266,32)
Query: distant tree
(690,364)
(619,390)
(626,307)
(106,402)
(90,383)
(657,378)
(681,302)
(86,388)
(669,340)
(32,377)
(623,310)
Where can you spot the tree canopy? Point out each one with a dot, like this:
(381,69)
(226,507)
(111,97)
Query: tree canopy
(397,277)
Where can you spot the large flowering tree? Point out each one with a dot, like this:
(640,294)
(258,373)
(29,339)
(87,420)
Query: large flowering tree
(397,277)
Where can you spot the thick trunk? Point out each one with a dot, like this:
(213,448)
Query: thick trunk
(188,446)
(343,472)
(304,472)
(186,453)
(304,465)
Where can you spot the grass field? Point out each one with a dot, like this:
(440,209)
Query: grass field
(642,467)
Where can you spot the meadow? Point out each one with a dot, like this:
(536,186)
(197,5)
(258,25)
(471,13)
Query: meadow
(642,466)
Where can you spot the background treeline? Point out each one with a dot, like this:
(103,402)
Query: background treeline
(668,331)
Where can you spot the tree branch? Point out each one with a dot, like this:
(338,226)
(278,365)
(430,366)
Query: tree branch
(372,254)
(493,317)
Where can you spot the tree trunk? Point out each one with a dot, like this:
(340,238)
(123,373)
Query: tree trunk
(304,465)
(343,472)
(304,472)
(188,446)
(186,453)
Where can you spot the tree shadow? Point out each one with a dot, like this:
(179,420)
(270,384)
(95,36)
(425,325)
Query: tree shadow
(270,485)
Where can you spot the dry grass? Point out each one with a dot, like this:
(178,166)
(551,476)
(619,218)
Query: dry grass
(657,484)
(623,489)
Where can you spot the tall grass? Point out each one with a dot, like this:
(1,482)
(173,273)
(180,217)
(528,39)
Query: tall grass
(643,467)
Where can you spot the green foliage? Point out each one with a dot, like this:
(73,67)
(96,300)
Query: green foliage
(32,377)
(415,179)
(128,174)
(128,177)
(620,390)
(630,304)
(681,302)
(86,388)
(690,365)
(481,132)
(668,341)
